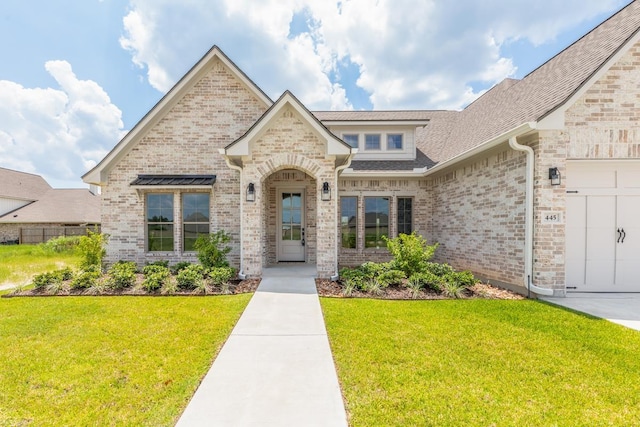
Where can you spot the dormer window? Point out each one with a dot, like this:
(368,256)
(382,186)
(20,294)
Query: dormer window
(352,139)
(394,141)
(372,142)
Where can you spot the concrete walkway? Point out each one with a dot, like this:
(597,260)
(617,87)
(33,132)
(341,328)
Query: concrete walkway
(276,368)
(623,309)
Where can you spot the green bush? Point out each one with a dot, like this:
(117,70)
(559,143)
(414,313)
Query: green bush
(438,269)
(453,289)
(155,276)
(372,269)
(85,279)
(391,277)
(352,279)
(52,279)
(160,262)
(410,252)
(213,249)
(190,277)
(427,280)
(178,267)
(415,285)
(62,244)
(122,275)
(91,249)
(220,276)
(464,278)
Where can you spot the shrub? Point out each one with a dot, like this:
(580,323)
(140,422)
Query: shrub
(85,279)
(372,269)
(91,249)
(464,278)
(62,244)
(41,281)
(391,277)
(65,274)
(52,280)
(352,279)
(220,276)
(213,249)
(160,262)
(122,274)
(178,267)
(453,289)
(190,277)
(427,280)
(155,276)
(410,252)
(169,287)
(438,269)
(375,286)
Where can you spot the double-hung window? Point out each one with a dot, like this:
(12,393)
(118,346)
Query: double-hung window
(160,222)
(376,221)
(372,141)
(349,221)
(405,215)
(195,218)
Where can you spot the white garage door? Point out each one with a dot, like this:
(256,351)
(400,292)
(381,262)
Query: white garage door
(603,226)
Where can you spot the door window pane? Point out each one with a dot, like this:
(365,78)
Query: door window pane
(291,216)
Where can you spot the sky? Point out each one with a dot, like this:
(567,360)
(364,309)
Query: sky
(76,75)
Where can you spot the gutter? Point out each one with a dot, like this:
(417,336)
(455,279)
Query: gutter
(222,151)
(529,220)
(339,169)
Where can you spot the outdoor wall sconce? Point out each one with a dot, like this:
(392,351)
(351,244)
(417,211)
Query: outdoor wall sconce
(554,176)
(326,191)
(251,192)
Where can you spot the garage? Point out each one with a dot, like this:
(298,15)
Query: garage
(603,226)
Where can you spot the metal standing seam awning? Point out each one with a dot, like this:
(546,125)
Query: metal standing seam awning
(173,180)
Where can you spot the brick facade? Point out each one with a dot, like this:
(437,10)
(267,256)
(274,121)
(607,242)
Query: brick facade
(217,110)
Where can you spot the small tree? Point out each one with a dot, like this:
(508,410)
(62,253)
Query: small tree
(91,250)
(213,249)
(411,253)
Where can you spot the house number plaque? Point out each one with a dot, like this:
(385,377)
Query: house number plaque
(551,217)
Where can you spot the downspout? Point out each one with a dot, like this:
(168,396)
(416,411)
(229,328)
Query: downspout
(241,274)
(529,219)
(339,169)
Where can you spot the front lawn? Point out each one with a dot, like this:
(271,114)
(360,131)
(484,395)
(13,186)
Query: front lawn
(107,360)
(481,363)
(19,263)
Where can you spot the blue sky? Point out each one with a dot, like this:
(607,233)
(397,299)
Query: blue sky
(75,75)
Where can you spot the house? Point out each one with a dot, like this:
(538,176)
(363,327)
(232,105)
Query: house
(534,186)
(31,211)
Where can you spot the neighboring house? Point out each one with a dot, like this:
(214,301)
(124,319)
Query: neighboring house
(534,185)
(28,203)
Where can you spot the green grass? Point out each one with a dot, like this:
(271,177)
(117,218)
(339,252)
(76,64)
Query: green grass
(107,360)
(482,363)
(19,263)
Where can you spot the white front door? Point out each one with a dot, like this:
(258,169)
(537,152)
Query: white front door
(291,233)
(603,227)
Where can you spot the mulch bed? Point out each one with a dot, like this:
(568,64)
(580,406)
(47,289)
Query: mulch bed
(327,288)
(236,287)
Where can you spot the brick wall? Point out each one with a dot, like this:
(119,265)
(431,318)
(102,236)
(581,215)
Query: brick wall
(477,216)
(392,188)
(218,110)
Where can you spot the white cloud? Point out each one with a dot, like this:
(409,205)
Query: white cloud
(58,133)
(428,54)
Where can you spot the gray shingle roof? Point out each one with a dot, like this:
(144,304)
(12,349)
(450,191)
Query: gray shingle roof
(174,180)
(21,185)
(420,162)
(340,116)
(67,206)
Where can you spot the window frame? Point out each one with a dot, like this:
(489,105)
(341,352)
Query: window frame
(378,235)
(367,135)
(389,136)
(170,224)
(343,226)
(410,222)
(356,134)
(185,223)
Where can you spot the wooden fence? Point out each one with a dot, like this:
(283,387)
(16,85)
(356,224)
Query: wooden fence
(35,235)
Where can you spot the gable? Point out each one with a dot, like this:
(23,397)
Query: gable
(216,80)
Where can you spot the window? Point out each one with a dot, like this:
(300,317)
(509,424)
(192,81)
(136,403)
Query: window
(195,218)
(348,221)
(372,142)
(376,221)
(405,218)
(351,139)
(394,141)
(160,222)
